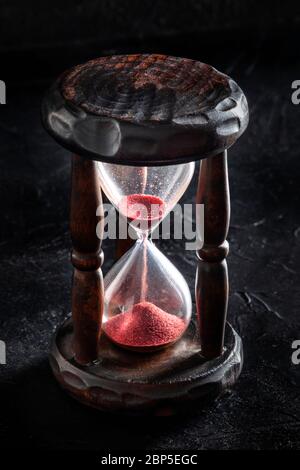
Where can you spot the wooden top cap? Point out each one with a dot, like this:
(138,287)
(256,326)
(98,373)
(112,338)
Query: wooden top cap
(145,109)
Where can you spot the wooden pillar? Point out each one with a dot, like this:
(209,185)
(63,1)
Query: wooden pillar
(212,275)
(87,258)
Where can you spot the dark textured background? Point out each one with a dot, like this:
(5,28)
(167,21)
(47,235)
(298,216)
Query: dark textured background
(35,25)
(254,42)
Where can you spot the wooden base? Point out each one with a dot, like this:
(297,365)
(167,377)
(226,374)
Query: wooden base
(160,383)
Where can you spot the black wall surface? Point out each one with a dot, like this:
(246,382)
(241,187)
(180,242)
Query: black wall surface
(40,24)
(35,35)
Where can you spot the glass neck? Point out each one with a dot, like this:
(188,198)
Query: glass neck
(143,233)
(144,236)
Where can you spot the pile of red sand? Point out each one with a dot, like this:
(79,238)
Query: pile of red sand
(144,325)
(142,207)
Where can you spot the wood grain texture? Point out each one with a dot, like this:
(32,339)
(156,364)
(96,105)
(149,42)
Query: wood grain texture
(87,257)
(212,275)
(161,383)
(145,109)
(146,87)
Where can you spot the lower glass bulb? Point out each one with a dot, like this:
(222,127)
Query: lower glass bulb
(147,301)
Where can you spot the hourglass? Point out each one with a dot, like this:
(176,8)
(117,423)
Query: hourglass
(136,124)
(147,302)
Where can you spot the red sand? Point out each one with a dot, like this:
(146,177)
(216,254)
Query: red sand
(144,325)
(152,207)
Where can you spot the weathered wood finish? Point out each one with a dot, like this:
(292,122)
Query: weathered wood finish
(87,257)
(212,275)
(161,383)
(145,109)
(145,88)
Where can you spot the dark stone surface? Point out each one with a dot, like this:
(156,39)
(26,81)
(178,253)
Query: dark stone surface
(262,411)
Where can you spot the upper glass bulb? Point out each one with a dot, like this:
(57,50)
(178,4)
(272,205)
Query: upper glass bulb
(145,195)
